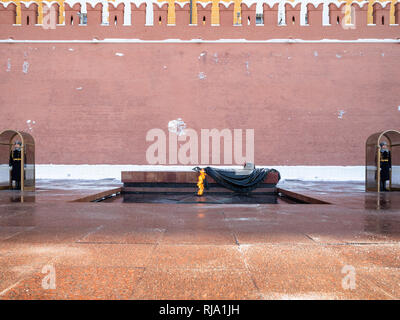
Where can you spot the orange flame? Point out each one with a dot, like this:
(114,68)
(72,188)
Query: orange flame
(200,182)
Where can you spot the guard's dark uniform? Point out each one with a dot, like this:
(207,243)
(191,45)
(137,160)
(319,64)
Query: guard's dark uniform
(386,165)
(15,163)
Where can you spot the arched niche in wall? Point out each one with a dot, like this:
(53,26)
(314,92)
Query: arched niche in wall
(26,162)
(373,160)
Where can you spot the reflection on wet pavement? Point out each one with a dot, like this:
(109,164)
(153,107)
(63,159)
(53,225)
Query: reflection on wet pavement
(16,196)
(383,200)
(349,194)
(58,190)
(228,198)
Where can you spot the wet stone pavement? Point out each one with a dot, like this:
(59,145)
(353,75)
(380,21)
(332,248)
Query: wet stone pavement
(51,248)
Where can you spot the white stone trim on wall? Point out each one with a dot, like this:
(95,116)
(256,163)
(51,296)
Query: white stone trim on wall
(168,41)
(103,171)
(127,13)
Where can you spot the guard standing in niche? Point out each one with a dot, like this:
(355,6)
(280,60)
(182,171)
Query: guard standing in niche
(386,165)
(15,164)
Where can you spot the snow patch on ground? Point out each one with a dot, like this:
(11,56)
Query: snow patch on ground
(116,40)
(104,171)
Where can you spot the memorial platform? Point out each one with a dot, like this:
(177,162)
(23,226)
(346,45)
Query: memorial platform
(200,251)
(173,181)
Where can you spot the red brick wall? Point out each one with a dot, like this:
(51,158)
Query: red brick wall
(182,30)
(93,106)
(7,14)
(204,12)
(29,15)
(71,16)
(116,14)
(138,15)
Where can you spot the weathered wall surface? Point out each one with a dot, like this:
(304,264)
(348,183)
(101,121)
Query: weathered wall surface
(309,103)
(211,20)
